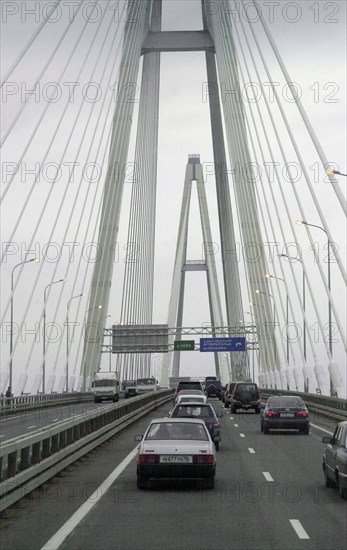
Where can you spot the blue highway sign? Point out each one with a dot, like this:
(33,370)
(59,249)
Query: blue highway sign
(223,344)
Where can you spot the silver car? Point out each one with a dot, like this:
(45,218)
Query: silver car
(335,459)
(176,448)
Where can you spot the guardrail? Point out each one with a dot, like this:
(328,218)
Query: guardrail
(27,462)
(13,405)
(332,407)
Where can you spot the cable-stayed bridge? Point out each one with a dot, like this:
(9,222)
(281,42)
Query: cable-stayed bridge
(85,192)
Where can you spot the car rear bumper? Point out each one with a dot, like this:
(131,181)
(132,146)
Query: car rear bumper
(286,424)
(245,405)
(175,471)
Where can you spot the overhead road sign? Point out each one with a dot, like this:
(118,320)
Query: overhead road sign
(184,345)
(140,338)
(223,344)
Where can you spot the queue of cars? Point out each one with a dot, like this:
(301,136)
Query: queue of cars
(184,445)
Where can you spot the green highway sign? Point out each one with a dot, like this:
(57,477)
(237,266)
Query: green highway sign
(184,345)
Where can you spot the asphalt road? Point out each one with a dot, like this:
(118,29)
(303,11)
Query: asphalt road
(269,494)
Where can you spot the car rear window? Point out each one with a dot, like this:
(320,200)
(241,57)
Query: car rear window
(194,411)
(246,388)
(189,386)
(287,402)
(177,430)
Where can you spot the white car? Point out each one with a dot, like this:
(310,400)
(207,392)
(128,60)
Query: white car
(191,399)
(176,448)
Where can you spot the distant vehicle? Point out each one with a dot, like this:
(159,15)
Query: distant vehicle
(106,386)
(204,411)
(245,396)
(144,385)
(176,448)
(191,398)
(285,412)
(213,386)
(335,459)
(188,385)
(228,393)
(130,389)
(189,392)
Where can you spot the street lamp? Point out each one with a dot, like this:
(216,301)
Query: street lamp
(269,276)
(337,172)
(11,313)
(302,222)
(303,295)
(44,332)
(274,318)
(67,339)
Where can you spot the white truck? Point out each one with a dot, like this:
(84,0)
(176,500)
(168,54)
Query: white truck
(144,385)
(106,386)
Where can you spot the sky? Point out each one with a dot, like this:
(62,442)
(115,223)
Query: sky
(311,38)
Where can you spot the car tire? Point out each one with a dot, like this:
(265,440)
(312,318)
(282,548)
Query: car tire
(342,491)
(142,482)
(327,481)
(233,410)
(266,430)
(216,444)
(261,427)
(257,410)
(209,483)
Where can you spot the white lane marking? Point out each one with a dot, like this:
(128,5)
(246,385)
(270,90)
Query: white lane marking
(242,435)
(268,476)
(55,420)
(71,524)
(231,418)
(236,425)
(30,427)
(298,528)
(252,451)
(322,429)
(2,436)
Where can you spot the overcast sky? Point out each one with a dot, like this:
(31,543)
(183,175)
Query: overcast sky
(311,37)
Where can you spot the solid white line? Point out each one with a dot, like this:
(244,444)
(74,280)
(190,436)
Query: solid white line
(298,528)
(252,451)
(268,476)
(322,429)
(71,524)
(2,435)
(242,435)
(236,425)
(30,427)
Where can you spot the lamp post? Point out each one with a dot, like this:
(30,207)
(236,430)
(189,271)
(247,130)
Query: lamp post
(303,296)
(44,332)
(101,318)
(302,222)
(67,339)
(11,313)
(274,317)
(269,276)
(337,172)
(252,315)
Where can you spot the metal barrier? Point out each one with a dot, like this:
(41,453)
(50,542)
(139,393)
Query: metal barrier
(28,461)
(13,405)
(332,407)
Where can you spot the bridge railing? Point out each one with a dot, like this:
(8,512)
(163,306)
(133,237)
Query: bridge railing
(11,405)
(28,461)
(332,407)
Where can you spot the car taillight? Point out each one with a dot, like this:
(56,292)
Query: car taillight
(302,414)
(148,459)
(271,414)
(203,459)
(215,424)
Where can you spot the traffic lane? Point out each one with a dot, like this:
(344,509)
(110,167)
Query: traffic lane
(294,463)
(244,510)
(24,423)
(41,513)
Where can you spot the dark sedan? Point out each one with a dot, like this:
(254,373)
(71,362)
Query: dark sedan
(335,459)
(285,412)
(204,411)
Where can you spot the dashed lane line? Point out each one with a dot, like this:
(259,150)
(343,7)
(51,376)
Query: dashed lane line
(252,451)
(268,476)
(31,427)
(242,435)
(298,528)
(57,540)
(236,425)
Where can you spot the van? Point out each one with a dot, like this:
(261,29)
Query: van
(188,385)
(245,396)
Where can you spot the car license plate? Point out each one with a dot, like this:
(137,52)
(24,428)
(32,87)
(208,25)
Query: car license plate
(176,459)
(287,415)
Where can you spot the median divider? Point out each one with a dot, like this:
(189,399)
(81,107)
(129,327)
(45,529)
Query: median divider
(28,461)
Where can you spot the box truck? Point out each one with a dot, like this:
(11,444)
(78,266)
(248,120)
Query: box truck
(106,386)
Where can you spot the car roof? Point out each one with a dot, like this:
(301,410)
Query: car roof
(177,420)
